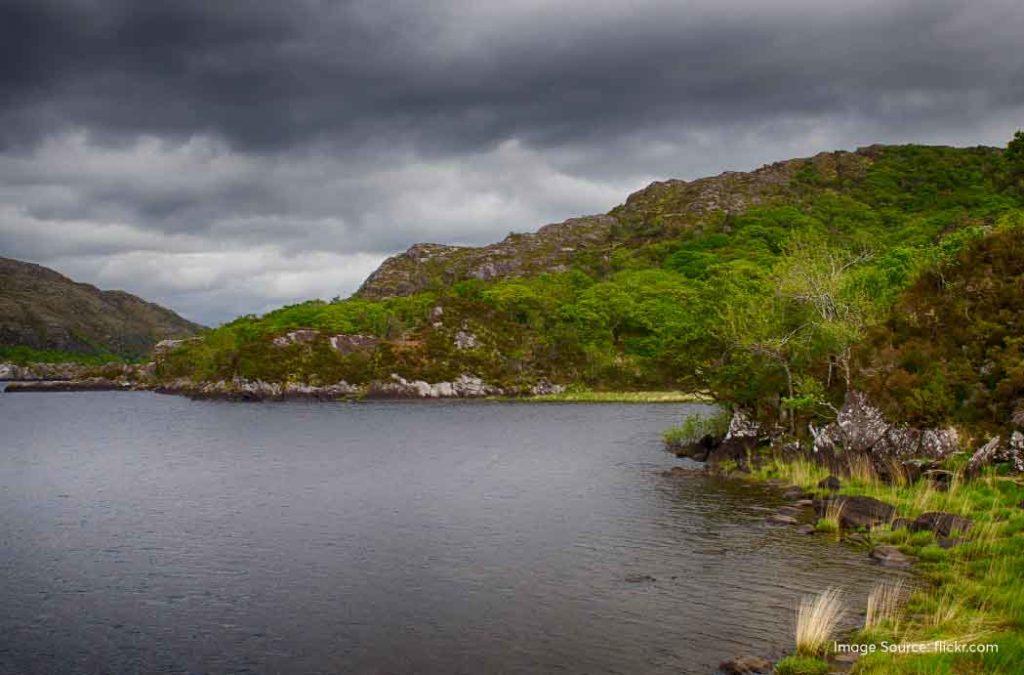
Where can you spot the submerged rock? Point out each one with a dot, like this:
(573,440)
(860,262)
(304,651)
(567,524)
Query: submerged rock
(890,556)
(745,665)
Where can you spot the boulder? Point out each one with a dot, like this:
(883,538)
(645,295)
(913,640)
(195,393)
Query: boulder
(859,511)
(778,519)
(805,529)
(890,556)
(941,523)
(901,523)
(862,428)
(831,483)
(745,665)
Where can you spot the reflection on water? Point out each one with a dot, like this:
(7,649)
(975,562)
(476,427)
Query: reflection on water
(153,533)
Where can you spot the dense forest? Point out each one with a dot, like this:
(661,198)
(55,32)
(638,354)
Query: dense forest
(895,268)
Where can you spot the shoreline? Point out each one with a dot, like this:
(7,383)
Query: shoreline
(397,389)
(955,539)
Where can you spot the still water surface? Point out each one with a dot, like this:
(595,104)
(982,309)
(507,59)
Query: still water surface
(148,533)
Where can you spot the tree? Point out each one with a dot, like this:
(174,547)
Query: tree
(1014,155)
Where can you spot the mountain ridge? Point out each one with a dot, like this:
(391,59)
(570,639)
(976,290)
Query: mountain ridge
(677,203)
(42,309)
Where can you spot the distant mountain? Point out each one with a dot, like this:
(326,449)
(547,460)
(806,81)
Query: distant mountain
(42,309)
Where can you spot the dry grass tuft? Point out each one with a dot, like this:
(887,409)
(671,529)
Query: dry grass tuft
(860,469)
(816,621)
(884,604)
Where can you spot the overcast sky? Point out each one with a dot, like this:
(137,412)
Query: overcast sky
(226,157)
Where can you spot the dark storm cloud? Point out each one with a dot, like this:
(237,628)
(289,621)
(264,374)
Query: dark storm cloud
(276,130)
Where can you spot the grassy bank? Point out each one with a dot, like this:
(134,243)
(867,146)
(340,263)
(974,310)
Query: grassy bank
(969,593)
(622,397)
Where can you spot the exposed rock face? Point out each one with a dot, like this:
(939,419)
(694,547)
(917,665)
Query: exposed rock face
(862,428)
(300,336)
(165,347)
(549,249)
(42,309)
(465,340)
(353,343)
(996,451)
(742,436)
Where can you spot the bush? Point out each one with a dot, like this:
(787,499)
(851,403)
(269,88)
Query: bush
(694,428)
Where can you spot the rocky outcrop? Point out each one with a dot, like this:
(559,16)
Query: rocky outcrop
(85,384)
(256,390)
(550,249)
(861,428)
(465,386)
(465,340)
(42,371)
(1011,452)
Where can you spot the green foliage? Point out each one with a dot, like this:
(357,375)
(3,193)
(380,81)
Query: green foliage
(801,665)
(24,355)
(761,308)
(952,350)
(696,427)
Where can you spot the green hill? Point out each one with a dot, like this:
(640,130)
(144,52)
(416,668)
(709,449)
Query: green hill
(44,316)
(754,285)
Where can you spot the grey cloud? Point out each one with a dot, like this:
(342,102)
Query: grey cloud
(195,135)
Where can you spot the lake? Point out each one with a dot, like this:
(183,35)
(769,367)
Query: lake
(158,534)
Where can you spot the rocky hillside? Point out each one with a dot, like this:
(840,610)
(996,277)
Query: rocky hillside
(753,286)
(661,210)
(43,310)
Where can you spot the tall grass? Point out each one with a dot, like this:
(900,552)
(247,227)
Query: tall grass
(817,618)
(884,604)
(696,427)
(830,519)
